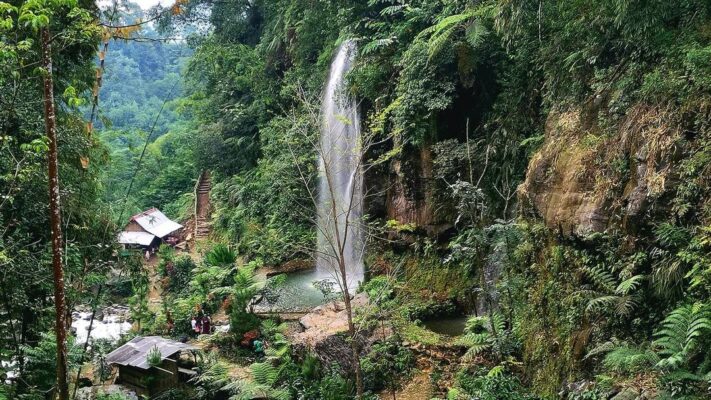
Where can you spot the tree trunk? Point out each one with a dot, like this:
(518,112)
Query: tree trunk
(351,329)
(50,119)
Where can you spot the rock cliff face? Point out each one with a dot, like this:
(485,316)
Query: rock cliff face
(409,195)
(404,190)
(589,178)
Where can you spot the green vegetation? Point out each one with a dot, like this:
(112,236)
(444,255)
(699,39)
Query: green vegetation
(541,168)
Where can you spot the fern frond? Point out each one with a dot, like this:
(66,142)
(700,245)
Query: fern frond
(629,360)
(476,33)
(679,336)
(670,235)
(498,323)
(601,278)
(376,45)
(496,371)
(603,348)
(392,10)
(264,373)
(629,285)
(476,344)
(626,304)
(596,304)
(441,33)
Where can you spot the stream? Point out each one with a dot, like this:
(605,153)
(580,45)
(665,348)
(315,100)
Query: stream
(109,324)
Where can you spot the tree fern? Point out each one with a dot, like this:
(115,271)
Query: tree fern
(682,332)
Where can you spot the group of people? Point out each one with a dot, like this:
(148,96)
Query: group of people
(201,324)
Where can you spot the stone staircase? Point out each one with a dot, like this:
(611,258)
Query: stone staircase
(202,206)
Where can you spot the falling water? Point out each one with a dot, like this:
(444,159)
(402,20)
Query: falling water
(340,179)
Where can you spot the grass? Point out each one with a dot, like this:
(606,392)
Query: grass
(412,332)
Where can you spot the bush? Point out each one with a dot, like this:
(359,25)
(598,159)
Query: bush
(492,385)
(179,273)
(386,366)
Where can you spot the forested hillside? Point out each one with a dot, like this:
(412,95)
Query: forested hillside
(141,105)
(529,195)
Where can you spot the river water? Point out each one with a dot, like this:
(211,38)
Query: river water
(111,326)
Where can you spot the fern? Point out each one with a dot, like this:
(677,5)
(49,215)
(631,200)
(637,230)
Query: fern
(629,285)
(630,360)
(669,235)
(264,373)
(681,333)
(622,298)
(220,255)
(496,371)
(604,348)
(445,29)
(482,335)
(476,32)
(376,45)
(601,278)
(392,10)
(476,344)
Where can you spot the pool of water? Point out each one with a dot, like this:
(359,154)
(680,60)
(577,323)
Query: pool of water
(450,326)
(296,294)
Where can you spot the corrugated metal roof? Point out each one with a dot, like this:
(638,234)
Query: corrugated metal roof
(135,352)
(140,238)
(155,222)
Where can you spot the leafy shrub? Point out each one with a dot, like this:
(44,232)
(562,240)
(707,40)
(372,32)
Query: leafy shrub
(630,360)
(491,386)
(379,289)
(154,357)
(179,272)
(40,362)
(387,364)
(221,256)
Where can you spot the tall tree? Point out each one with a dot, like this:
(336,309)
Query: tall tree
(74,25)
(50,121)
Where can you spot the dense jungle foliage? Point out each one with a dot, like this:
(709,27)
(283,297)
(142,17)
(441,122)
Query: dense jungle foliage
(556,154)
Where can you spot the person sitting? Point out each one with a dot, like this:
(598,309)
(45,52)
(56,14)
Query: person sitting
(258,347)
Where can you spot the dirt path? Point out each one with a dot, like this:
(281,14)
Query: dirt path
(155,301)
(419,388)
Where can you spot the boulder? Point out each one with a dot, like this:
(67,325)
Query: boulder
(325,333)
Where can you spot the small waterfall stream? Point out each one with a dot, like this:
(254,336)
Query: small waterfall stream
(340,177)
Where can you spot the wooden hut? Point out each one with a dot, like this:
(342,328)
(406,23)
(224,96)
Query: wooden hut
(135,372)
(148,229)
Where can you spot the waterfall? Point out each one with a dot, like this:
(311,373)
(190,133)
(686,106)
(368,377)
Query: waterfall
(340,195)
